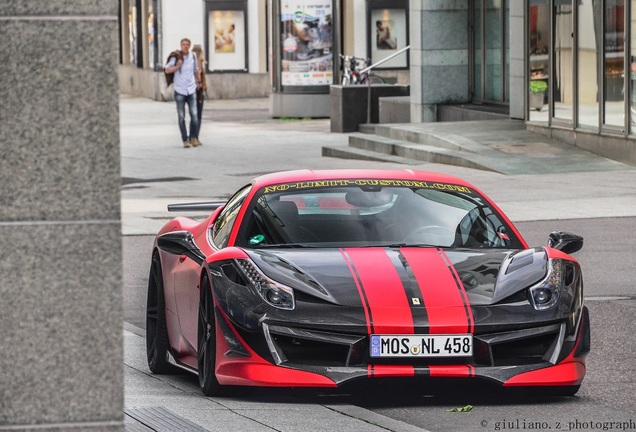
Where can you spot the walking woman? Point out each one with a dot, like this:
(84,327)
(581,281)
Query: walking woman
(202,86)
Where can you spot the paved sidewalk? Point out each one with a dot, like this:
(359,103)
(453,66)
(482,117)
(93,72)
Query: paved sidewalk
(240,141)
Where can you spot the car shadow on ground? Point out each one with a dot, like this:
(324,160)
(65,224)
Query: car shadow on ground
(390,393)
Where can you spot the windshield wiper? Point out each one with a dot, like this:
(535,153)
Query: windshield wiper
(401,245)
(285,245)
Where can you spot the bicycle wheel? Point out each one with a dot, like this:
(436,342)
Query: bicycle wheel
(376,79)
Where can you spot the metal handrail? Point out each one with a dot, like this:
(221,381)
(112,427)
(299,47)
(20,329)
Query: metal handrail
(368,68)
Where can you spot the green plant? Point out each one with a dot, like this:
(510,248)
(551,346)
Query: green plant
(538,86)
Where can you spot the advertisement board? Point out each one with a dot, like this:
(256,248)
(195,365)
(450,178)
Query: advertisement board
(306,43)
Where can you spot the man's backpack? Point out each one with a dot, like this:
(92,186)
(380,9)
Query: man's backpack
(170,76)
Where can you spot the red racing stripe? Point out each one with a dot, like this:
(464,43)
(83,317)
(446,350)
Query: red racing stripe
(440,289)
(462,290)
(383,290)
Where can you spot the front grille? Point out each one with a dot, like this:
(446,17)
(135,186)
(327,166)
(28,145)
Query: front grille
(523,351)
(318,348)
(311,352)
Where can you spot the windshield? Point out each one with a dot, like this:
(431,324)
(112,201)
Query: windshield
(363,214)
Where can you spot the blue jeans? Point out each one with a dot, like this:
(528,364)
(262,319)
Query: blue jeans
(192,110)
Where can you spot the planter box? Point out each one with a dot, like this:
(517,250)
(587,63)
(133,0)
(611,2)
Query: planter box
(349,104)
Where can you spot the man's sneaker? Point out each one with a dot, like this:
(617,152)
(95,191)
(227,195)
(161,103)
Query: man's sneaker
(195,142)
(187,144)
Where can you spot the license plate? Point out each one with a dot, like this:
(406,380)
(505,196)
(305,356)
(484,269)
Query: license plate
(457,345)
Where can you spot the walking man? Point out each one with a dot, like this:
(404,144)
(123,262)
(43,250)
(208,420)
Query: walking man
(184,67)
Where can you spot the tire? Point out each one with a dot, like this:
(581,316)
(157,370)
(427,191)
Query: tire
(206,341)
(156,332)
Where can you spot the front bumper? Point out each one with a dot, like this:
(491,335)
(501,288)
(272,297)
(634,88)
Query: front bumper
(294,357)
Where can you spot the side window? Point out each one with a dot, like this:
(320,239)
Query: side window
(224,223)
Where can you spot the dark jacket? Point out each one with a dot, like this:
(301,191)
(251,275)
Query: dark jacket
(170,76)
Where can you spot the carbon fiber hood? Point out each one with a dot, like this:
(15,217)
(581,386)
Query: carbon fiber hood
(336,275)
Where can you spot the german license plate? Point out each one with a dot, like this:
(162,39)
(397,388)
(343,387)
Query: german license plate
(456,345)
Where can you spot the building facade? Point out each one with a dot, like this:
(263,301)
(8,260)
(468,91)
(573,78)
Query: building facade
(563,66)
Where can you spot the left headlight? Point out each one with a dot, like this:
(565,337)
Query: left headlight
(546,293)
(274,293)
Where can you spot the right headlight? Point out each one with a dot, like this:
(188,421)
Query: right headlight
(546,294)
(274,293)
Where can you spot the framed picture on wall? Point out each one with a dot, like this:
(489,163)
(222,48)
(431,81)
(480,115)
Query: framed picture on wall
(388,33)
(226,30)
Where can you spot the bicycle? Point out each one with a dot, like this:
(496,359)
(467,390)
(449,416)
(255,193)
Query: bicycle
(351,71)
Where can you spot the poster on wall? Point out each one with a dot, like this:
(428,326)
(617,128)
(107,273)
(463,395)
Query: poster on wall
(388,36)
(226,40)
(306,43)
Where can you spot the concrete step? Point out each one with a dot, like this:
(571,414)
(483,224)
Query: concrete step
(374,144)
(348,152)
(418,135)
(367,128)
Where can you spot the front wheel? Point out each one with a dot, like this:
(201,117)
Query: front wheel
(156,333)
(206,341)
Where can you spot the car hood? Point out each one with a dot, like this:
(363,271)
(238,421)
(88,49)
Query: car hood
(405,276)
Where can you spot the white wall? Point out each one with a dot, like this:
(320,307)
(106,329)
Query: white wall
(360,32)
(181,19)
(186,19)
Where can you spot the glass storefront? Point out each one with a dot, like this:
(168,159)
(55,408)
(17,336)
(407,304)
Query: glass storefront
(539,61)
(490,65)
(587,52)
(562,77)
(614,63)
(579,72)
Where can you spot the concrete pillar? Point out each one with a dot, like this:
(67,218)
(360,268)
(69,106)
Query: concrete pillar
(61,366)
(517,52)
(439,56)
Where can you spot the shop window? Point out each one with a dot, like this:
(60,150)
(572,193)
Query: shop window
(539,61)
(562,66)
(614,64)
(589,22)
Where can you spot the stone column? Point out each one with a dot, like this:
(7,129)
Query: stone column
(61,313)
(439,56)
(517,52)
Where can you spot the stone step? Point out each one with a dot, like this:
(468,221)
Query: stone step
(417,152)
(418,136)
(348,152)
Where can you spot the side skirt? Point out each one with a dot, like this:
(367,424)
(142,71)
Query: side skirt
(173,362)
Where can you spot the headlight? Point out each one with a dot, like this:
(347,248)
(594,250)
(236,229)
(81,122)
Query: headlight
(546,293)
(274,293)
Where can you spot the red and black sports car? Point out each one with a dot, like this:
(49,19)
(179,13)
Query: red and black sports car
(319,278)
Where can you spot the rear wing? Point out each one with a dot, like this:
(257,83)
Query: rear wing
(199,206)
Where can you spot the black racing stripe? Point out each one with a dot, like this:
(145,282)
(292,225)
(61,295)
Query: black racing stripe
(358,282)
(461,288)
(412,290)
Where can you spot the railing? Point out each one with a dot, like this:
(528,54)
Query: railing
(369,68)
(384,60)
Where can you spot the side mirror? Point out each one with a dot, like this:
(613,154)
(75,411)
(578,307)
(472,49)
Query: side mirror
(180,243)
(565,241)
